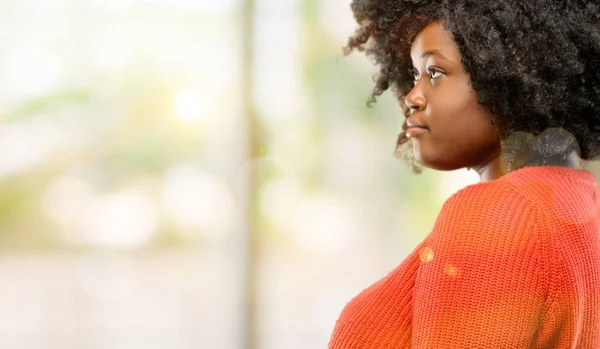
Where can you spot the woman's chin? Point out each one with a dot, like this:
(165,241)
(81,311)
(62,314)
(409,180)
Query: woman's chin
(438,163)
(418,153)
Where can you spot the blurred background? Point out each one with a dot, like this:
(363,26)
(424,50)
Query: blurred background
(195,174)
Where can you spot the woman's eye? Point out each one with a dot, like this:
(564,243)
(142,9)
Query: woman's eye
(412,72)
(434,73)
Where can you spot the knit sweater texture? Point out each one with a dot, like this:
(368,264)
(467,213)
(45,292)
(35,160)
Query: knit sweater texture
(510,263)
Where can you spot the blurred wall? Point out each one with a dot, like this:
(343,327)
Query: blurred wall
(123,167)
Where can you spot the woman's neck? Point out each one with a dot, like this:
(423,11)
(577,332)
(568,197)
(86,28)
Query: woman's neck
(498,166)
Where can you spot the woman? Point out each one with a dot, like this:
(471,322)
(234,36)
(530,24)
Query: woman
(510,89)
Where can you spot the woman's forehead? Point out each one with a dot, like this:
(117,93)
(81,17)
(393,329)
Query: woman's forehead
(433,40)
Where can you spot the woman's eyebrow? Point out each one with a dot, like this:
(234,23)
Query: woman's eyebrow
(429,53)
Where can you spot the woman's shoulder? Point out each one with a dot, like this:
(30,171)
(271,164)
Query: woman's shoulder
(535,185)
(524,203)
(484,211)
(488,198)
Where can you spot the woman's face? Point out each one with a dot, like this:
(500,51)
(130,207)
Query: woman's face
(459,132)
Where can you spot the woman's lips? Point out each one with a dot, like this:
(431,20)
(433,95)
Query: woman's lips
(413,123)
(415,131)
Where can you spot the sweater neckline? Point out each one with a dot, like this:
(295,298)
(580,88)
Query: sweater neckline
(550,171)
(546,171)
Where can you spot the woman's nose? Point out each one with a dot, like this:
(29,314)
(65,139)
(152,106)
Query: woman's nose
(415,99)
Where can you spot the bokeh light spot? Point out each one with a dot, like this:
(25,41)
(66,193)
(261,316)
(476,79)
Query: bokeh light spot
(198,200)
(188,106)
(451,270)
(426,254)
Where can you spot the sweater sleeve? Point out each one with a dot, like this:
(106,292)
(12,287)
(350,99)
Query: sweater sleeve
(483,280)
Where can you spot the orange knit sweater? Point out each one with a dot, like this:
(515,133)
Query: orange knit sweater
(510,263)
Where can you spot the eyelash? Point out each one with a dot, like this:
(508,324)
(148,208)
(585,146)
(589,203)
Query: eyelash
(431,72)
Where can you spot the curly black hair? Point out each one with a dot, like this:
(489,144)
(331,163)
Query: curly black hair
(534,64)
